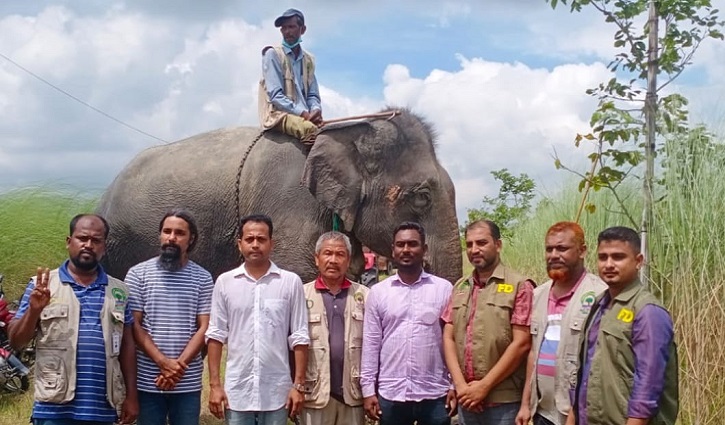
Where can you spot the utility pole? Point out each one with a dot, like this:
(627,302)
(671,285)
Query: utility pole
(650,114)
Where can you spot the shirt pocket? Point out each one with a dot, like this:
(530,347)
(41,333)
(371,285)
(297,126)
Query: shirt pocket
(459,299)
(275,313)
(615,342)
(316,357)
(576,326)
(356,323)
(315,324)
(54,323)
(571,362)
(534,329)
(428,313)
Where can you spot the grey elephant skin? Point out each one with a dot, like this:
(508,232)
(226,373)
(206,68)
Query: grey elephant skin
(374,174)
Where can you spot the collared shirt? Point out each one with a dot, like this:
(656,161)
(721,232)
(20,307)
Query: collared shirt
(170,303)
(274,80)
(90,402)
(259,320)
(520,316)
(546,362)
(652,332)
(402,339)
(335,311)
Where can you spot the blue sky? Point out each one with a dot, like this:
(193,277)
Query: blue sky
(502,81)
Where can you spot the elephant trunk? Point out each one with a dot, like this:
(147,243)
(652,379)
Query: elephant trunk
(444,252)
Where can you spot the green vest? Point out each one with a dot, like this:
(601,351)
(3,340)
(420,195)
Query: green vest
(613,364)
(492,333)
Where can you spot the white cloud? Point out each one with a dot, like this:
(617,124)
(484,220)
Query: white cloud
(498,115)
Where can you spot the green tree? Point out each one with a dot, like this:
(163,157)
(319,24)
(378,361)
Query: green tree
(654,38)
(510,206)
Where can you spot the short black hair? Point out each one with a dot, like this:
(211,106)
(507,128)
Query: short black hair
(492,227)
(188,218)
(411,225)
(256,218)
(622,234)
(74,222)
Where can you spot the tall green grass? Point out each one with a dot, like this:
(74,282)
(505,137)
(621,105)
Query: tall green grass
(33,226)
(688,260)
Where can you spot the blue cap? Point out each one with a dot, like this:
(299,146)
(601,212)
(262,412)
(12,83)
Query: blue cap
(288,14)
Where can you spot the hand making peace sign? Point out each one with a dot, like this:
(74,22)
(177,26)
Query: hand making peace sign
(40,296)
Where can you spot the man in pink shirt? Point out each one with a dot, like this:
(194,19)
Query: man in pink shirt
(403,374)
(486,333)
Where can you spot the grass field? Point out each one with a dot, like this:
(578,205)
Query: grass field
(33,226)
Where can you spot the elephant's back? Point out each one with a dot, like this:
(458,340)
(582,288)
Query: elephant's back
(198,174)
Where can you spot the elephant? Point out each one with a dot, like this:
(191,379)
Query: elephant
(373,174)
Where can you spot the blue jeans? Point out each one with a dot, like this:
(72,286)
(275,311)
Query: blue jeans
(179,408)
(67,422)
(274,417)
(426,412)
(503,414)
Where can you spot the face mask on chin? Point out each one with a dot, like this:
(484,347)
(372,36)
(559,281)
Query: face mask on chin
(293,45)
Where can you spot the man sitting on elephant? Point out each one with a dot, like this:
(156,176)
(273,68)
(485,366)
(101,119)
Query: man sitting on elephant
(289,97)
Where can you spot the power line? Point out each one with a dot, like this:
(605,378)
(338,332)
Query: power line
(38,77)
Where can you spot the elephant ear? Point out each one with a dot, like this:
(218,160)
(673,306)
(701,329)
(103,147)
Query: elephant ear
(333,171)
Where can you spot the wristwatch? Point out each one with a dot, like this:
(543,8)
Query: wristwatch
(299,387)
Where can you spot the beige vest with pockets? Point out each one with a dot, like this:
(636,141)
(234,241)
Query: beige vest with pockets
(317,376)
(572,325)
(268,115)
(57,342)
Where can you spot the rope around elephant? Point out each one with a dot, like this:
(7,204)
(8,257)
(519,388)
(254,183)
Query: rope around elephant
(239,171)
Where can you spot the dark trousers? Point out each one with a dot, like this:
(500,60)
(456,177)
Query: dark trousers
(540,420)
(177,408)
(426,412)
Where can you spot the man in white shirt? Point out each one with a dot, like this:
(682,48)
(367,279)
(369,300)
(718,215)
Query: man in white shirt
(259,311)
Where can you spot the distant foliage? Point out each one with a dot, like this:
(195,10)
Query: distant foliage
(510,206)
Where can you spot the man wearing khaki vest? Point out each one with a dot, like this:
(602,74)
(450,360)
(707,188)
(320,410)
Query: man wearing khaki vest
(486,333)
(628,359)
(335,307)
(560,309)
(85,364)
(289,97)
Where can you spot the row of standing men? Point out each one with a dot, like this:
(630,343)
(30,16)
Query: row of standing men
(414,348)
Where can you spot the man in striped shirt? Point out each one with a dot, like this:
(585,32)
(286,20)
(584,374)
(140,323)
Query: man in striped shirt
(80,318)
(170,296)
(560,309)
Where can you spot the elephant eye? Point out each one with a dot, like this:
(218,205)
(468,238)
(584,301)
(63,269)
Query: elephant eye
(421,199)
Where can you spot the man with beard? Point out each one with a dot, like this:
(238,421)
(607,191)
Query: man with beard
(560,309)
(85,365)
(628,368)
(259,311)
(335,308)
(289,97)
(403,375)
(486,334)
(171,301)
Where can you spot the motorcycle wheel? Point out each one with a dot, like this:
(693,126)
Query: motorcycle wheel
(18,384)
